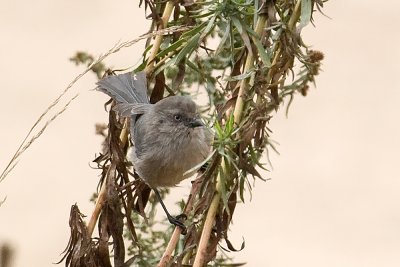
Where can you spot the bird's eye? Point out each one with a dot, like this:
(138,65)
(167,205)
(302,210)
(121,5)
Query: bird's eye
(178,117)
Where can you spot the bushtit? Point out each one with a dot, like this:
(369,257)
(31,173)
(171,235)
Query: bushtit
(168,137)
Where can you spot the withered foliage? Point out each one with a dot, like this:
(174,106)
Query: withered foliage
(81,249)
(117,205)
(260,62)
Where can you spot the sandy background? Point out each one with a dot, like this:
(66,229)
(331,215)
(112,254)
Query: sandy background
(334,195)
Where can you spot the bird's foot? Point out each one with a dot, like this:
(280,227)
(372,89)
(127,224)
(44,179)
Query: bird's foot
(178,221)
(181,217)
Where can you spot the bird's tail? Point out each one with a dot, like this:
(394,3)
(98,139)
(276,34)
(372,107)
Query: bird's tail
(126,88)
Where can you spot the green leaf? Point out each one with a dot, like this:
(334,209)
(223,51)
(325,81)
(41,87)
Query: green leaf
(191,45)
(224,38)
(262,53)
(210,25)
(237,24)
(241,187)
(230,124)
(243,33)
(193,66)
(242,3)
(222,189)
(202,15)
(218,128)
(172,47)
(141,67)
(193,31)
(306,11)
(266,59)
(164,66)
(240,76)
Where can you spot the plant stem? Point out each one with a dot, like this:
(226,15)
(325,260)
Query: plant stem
(205,235)
(102,194)
(212,211)
(248,65)
(209,222)
(187,257)
(169,7)
(295,16)
(177,232)
(97,208)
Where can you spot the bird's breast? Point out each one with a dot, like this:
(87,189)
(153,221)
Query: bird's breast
(168,156)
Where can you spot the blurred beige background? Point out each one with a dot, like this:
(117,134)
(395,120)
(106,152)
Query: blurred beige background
(334,197)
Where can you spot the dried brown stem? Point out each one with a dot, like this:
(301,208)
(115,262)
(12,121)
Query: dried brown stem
(209,222)
(97,208)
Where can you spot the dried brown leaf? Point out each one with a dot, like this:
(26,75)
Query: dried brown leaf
(159,87)
(81,251)
(178,79)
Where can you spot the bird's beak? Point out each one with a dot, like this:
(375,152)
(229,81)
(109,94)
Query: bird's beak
(195,123)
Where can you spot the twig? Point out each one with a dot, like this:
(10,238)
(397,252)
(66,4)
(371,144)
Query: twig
(209,222)
(98,206)
(103,192)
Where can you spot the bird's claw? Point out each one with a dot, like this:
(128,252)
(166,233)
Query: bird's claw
(177,221)
(181,217)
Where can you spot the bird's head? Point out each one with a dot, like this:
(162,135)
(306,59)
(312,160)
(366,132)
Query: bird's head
(179,112)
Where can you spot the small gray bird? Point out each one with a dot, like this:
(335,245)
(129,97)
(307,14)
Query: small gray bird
(168,137)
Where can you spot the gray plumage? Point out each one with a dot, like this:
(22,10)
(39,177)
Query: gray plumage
(169,138)
(126,88)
